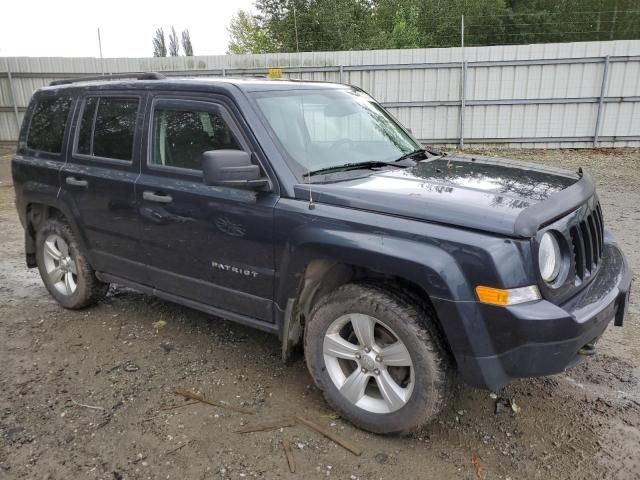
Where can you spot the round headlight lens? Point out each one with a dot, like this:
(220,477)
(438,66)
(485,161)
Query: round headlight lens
(549,257)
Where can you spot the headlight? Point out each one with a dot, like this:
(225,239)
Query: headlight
(549,257)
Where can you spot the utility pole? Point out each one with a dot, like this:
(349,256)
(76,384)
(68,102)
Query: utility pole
(295,25)
(100,48)
(463,81)
(13,96)
(613,23)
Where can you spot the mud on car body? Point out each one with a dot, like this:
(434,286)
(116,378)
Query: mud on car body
(306,210)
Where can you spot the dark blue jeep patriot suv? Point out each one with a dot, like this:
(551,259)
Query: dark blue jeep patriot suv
(306,210)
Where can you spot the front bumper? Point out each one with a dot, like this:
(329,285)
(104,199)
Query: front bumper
(540,338)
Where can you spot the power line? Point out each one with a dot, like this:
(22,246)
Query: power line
(578,12)
(542,24)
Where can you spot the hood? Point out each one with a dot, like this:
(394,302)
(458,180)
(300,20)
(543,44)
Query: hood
(495,195)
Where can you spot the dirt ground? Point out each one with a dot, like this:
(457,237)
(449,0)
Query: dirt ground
(70,409)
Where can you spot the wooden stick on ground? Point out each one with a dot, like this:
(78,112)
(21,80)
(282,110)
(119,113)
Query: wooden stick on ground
(178,447)
(286,445)
(199,398)
(268,426)
(85,406)
(330,435)
(173,407)
(152,417)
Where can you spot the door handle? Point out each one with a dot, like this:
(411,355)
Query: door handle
(154,197)
(74,182)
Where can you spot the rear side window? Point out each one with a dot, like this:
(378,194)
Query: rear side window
(107,127)
(182,136)
(48,122)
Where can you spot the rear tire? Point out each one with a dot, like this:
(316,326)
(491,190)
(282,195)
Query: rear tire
(378,358)
(64,269)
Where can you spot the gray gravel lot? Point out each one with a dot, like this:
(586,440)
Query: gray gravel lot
(68,408)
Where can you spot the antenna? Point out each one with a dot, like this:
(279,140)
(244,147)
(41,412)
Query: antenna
(311,204)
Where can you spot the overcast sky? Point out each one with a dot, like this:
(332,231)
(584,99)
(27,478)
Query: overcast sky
(68,28)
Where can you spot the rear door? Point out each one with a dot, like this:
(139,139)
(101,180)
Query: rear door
(213,245)
(98,180)
(42,147)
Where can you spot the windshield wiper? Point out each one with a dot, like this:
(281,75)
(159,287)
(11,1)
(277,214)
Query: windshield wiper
(410,154)
(353,166)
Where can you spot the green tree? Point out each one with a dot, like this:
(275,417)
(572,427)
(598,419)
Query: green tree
(187,46)
(440,22)
(537,21)
(248,35)
(174,44)
(402,32)
(322,25)
(306,25)
(159,44)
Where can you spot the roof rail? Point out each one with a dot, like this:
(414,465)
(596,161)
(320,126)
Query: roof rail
(114,76)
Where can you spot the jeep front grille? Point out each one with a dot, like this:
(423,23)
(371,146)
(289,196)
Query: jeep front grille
(587,239)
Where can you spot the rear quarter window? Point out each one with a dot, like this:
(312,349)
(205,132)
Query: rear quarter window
(48,123)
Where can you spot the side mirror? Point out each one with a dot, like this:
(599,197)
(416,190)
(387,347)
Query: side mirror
(231,168)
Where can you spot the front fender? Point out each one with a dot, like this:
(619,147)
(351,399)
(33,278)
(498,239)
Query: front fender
(426,265)
(432,268)
(445,262)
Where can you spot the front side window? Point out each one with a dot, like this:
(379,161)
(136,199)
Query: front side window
(329,128)
(180,137)
(49,120)
(108,127)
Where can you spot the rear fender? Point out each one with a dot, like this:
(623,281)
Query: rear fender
(32,194)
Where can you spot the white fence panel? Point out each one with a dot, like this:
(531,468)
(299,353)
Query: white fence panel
(543,95)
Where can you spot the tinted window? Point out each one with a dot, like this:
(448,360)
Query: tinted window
(46,130)
(86,126)
(182,136)
(107,127)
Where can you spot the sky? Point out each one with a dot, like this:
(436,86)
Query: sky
(68,28)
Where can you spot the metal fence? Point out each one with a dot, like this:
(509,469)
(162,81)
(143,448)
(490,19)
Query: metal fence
(562,95)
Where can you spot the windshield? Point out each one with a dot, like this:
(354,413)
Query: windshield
(321,129)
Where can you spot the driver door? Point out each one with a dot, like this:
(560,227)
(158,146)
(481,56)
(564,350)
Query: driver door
(209,244)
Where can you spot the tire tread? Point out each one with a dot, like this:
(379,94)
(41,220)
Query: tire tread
(420,321)
(92,289)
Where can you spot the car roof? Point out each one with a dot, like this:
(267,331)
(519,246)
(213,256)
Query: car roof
(229,84)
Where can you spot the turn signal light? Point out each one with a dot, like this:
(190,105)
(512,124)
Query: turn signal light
(504,297)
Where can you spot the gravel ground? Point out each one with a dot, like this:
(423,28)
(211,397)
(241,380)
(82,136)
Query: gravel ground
(69,408)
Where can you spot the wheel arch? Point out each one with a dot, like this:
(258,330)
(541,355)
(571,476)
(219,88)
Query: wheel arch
(39,211)
(311,271)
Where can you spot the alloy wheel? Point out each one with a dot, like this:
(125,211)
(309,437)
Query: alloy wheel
(368,363)
(59,264)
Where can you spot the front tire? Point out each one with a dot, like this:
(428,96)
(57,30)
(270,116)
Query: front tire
(377,357)
(65,271)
